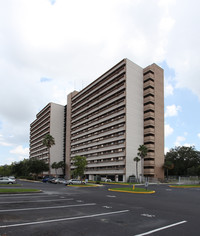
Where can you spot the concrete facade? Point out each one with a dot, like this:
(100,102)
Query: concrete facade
(111,117)
(50,120)
(107,121)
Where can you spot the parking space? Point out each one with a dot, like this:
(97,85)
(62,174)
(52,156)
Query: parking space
(61,210)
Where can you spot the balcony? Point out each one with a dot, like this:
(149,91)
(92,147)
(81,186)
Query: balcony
(98,118)
(149,122)
(86,113)
(104,172)
(103,141)
(148,91)
(106,163)
(149,131)
(149,171)
(99,135)
(149,139)
(100,149)
(149,83)
(149,114)
(150,146)
(93,101)
(114,117)
(81,96)
(149,163)
(108,126)
(150,155)
(149,99)
(104,156)
(149,107)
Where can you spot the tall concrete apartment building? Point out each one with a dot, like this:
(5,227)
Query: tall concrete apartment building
(50,120)
(108,120)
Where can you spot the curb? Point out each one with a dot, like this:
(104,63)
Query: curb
(172,186)
(131,191)
(83,186)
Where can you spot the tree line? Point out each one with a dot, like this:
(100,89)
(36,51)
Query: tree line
(182,161)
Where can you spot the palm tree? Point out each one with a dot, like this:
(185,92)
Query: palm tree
(48,141)
(136,159)
(142,153)
(58,165)
(168,165)
(55,166)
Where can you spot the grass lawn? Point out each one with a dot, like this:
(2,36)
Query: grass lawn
(10,185)
(83,185)
(17,190)
(131,190)
(120,183)
(185,186)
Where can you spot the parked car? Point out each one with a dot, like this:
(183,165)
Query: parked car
(47,179)
(75,181)
(55,180)
(51,180)
(108,180)
(7,180)
(11,177)
(61,181)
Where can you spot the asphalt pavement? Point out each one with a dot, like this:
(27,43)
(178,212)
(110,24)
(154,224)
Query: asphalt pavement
(94,211)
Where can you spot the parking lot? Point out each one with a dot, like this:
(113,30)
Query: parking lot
(62,210)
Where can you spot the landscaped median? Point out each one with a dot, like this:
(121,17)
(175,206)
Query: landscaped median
(84,185)
(18,190)
(132,190)
(185,186)
(108,183)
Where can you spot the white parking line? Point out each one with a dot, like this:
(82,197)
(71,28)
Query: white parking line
(39,201)
(53,207)
(159,229)
(64,219)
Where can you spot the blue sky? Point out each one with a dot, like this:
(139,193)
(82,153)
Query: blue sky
(50,48)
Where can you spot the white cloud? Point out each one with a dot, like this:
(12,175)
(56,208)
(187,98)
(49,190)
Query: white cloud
(74,42)
(172,110)
(169,90)
(166,150)
(3,142)
(188,145)
(178,141)
(168,130)
(19,150)
(198,135)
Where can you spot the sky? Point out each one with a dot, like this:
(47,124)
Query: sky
(49,48)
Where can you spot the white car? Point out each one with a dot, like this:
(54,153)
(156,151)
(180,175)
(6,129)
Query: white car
(75,181)
(108,180)
(7,180)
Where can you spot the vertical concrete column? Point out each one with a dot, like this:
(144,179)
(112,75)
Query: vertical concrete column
(68,134)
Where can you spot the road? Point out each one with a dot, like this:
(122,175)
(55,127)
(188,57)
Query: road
(79,211)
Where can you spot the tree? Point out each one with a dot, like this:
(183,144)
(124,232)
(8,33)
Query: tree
(58,165)
(80,163)
(183,158)
(21,168)
(168,165)
(48,141)
(142,152)
(5,170)
(37,166)
(29,166)
(55,166)
(61,165)
(136,159)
